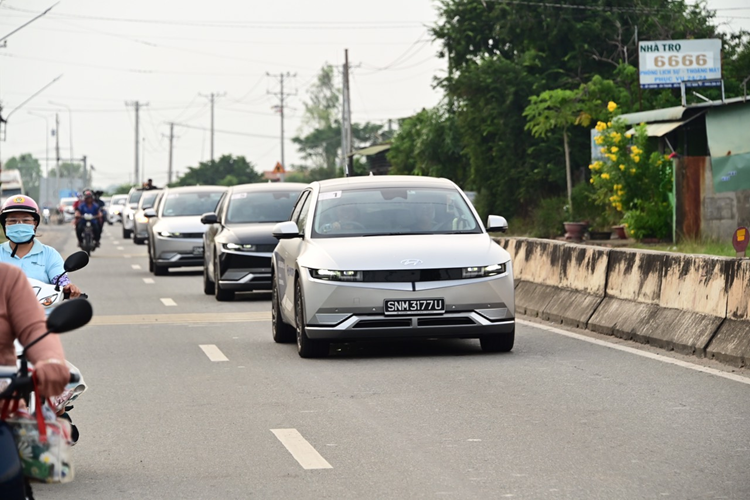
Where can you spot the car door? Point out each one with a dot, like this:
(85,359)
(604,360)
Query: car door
(285,257)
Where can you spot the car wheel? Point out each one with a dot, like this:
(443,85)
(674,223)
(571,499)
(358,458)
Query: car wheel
(139,241)
(498,343)
(282,333)
(208,285)
(221,294)
(125,234)
(150,263)
(306,347)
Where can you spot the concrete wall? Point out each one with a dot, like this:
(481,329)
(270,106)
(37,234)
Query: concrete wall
(695,304)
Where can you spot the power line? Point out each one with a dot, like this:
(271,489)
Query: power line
(231,132)
(212,99)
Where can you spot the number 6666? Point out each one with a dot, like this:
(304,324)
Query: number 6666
(685,60)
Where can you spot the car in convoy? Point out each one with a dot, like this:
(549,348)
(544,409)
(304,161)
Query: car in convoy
(384,257)
(175,230)
(116,206)
(140,221)
(66,208)
(128,212)
(238,243)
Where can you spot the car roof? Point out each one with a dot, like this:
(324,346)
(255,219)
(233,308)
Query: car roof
(195,189)
(269,186)
(384,181)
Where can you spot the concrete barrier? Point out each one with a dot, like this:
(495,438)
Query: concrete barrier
(731,344)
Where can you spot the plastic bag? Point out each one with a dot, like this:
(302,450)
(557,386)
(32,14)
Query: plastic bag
(47,458)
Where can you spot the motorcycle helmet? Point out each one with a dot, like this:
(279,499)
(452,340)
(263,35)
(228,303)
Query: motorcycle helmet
(20,203)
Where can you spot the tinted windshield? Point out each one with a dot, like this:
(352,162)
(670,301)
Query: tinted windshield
(134,197)
(261,207)
(148,199)
(186,204)
(119,200)
(373,212)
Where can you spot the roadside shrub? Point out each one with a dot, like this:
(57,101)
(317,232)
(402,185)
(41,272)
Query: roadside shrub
(548,217)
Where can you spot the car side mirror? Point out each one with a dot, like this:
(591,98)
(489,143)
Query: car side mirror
(496,223)
(209,218)
(286,230)
(148,213)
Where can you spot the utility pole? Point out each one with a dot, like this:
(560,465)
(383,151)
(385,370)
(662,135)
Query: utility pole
(137,105)
(212,98)
(85,173)
(281,95)
(171,143)
(57,156)
(346,121)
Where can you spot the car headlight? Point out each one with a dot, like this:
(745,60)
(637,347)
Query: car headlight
(483,272)
(116,212)
(142,219)
(239,248)
(168,234)
(330,275)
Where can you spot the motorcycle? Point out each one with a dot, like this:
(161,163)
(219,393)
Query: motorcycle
(89,242)
(18,385)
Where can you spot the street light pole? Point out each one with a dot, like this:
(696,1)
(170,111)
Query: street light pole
(45,200)
(70,125)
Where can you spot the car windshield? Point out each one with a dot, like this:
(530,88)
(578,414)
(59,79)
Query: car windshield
(135,196)
(275,206)
(392,211)
(148,199)
(191,203)
(119,200)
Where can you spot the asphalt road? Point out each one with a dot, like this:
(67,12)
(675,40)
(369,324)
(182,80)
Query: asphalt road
(560,417)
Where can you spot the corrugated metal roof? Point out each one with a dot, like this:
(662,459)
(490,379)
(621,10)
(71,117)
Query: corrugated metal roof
(659,129)
(372,150)
(675,113)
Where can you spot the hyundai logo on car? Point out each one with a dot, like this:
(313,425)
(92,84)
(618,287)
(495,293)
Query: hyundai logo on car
(411,262)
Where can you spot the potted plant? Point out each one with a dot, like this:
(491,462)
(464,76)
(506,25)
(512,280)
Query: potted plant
(574,231)
(602,228)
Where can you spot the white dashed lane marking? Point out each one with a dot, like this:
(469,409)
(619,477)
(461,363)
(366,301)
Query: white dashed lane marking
(149,281)
(302,451)
(120,248)
(213,353)
(168,302)
(135,266)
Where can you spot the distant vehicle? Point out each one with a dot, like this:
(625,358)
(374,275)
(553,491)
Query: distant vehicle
(66,208)
(12,184)
(128,212)
(238,244)
(116,206)
(386,257)
(175,231)
(140,221)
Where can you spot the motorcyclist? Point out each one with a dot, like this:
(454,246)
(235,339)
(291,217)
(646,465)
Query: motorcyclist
(19,217)
(88,206)
(102,205)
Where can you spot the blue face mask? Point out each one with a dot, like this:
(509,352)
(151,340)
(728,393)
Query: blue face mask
(19,233)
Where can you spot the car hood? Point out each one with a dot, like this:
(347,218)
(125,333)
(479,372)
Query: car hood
(403,252)
(249,233)
(191,224)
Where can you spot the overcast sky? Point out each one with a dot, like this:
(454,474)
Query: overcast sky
(172,54)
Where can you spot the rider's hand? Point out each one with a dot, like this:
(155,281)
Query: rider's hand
(73,290)
(52,376)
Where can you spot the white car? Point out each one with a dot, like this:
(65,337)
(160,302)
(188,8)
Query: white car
(67,210)
(116,206)
(383,257)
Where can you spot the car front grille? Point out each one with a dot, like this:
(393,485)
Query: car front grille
(412,275)
(187,235)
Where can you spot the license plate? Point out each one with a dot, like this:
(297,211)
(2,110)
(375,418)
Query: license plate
(197,250)
(411,306)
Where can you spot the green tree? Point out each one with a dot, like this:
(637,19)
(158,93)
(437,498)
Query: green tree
(67,170)
(31,172)
(226,171)
(123,189)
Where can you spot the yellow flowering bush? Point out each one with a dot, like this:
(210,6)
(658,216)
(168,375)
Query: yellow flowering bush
(632,185)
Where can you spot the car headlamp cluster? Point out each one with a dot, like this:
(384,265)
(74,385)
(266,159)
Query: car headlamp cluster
(330,275)
(239,248)
(142,219)
(167,234)
(483,272)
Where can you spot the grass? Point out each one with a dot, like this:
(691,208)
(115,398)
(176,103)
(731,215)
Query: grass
(707,247)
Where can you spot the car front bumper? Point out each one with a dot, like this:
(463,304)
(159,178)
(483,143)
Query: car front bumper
(178,252)
(245,271)
(350,311)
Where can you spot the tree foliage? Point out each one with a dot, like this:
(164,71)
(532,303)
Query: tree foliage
(31,172)
(226,171)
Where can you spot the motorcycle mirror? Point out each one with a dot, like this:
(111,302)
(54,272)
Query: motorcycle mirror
(76,261)
(69,315)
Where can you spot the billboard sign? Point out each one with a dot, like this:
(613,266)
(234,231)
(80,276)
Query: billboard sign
(667,63)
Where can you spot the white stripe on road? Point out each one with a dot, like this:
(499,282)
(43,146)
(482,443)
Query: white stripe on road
(149,281)
(301,450)
(168,302)
(135,266)
(638,352)
(213,353)
(120,248)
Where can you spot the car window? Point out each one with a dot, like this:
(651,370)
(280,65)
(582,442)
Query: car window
(119,200)
(148,199)
(134,197)
(272,206)
(392,211)
(221,206)
(190,203)
(298,206)
(303,213)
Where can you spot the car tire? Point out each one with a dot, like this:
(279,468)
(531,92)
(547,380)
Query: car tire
(139,241)
(221,294)
(282,332)
(150,263)
(498,343)
(208,285)
(160,270)
(306,347)
(125,234)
